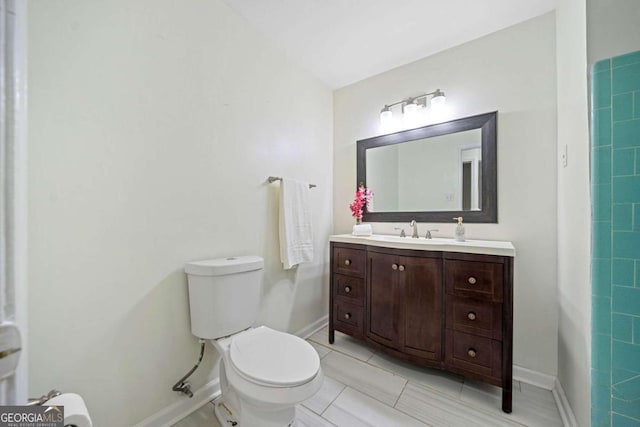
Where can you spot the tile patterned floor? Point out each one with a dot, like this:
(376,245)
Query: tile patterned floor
(365,388)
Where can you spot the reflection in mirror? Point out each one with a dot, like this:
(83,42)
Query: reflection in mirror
(448,163)
(433,173)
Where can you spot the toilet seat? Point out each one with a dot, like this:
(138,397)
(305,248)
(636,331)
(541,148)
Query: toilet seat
(274,359)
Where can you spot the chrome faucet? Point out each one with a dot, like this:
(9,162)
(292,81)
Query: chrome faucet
(414,224)
(402,233)
(428,236)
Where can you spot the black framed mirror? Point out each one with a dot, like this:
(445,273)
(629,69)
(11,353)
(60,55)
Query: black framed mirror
(433,173)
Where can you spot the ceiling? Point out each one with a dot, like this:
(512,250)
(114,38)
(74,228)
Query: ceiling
(345,41)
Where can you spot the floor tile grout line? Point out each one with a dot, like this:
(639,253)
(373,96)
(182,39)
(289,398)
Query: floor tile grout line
(381,402)
(344,386)
(298,423)
(400,375)
(412,416)
(477,408)
(400,394)
(424,384)
(395,374)
(367,394)
(359,391)
(318,415)
(470,409)
(336,349)
(327,421)
(371,357)
(335,398)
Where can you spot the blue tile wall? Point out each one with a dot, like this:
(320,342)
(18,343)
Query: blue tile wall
(622,217)
(615,271)
(622,272)
(624,161)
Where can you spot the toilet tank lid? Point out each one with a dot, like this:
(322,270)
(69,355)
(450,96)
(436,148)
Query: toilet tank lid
(223,266)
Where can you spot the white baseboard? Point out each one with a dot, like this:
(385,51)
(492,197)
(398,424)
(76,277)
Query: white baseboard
(566,413)
(182,408)
(548,382)
(311,329)
(535,378)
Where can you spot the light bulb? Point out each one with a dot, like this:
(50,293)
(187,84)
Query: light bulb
(411,114)
(411,108)
(438,101)
(386,117)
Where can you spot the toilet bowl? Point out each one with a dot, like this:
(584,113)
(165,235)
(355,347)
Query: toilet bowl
(264,373)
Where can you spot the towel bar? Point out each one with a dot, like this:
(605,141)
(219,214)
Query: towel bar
(278,178)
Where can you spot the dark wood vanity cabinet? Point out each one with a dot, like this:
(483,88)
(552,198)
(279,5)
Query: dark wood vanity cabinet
(446,310)
(403,302)
(347,290)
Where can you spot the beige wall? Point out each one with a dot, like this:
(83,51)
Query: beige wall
(512,71)
(574,283)
(152,128)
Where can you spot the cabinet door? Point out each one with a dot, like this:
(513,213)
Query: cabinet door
(421,285)
(383,299)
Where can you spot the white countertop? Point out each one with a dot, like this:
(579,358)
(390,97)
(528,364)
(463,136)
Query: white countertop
(486,247)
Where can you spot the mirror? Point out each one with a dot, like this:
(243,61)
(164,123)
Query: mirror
(432,173)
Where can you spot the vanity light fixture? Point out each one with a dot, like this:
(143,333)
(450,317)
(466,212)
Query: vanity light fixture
(386,116)
(411,105)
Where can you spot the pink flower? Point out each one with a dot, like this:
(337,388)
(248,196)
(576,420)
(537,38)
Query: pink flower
(360,203)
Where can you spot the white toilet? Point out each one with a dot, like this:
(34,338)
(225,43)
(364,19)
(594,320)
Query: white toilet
(263,373)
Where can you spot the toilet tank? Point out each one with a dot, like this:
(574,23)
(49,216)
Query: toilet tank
(224,294)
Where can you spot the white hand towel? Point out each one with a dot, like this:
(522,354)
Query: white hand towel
(362,230)
(296,240)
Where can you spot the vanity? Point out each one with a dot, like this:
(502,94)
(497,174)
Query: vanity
(432,302)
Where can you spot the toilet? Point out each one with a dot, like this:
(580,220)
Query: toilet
(264,373)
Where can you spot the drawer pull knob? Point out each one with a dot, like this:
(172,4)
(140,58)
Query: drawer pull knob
(347,262)
(347,316)
(472,280)
(401,268)
(471,352)
(394,266)
(347,289)
(471,315)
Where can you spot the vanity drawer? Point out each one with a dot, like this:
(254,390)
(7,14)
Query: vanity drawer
(348,261)
(348,318)
(474,316)
(474,279)
(473,353)
(350,288)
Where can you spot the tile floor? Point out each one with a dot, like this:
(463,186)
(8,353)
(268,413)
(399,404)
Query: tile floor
(366,388)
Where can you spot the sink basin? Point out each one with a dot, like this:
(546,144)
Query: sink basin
(408,239)
(488,247)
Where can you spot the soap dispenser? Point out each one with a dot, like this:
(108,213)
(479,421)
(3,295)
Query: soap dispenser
(459,235)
